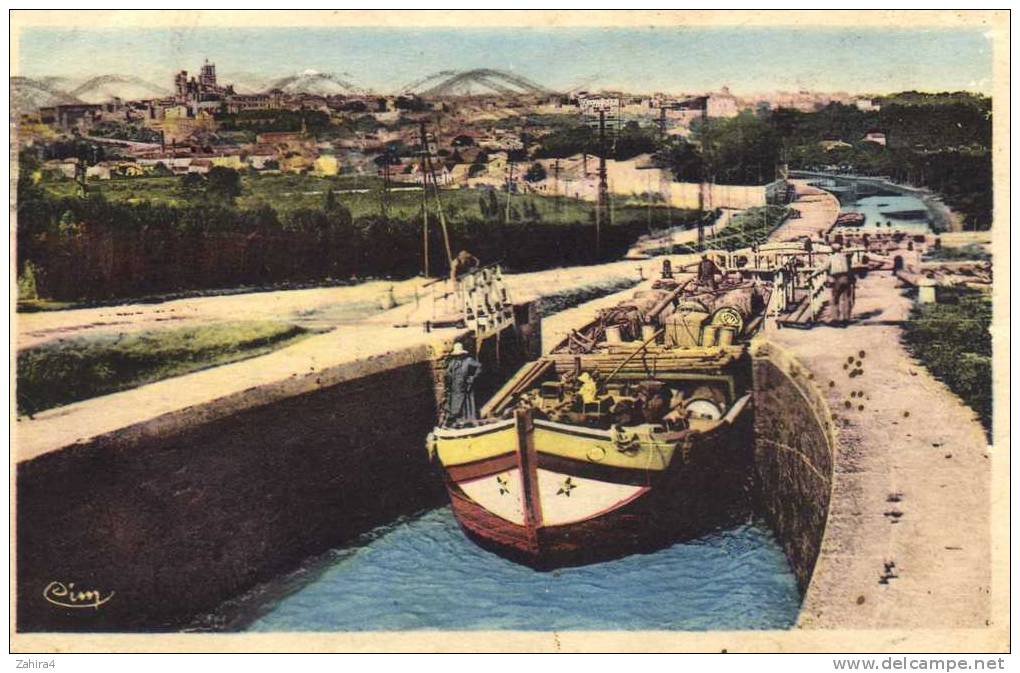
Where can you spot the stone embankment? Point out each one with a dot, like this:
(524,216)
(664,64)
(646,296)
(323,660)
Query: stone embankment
(893,464)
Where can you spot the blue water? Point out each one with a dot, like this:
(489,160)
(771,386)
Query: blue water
(876,209)
(422,573)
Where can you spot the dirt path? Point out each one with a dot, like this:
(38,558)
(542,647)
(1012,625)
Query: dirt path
(911,486)
(818,210)
(908,541)
(351,348)
(680,235)
(317,308)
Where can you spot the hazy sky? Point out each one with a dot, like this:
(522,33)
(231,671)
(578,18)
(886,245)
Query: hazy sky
(640,60)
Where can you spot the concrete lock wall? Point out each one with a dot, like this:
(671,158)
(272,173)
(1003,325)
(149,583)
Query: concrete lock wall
(176,521)
(793,456)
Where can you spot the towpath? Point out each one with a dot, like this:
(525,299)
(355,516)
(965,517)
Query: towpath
(317,308)
(818,210)
(680,236)
(355,345)
(908,539)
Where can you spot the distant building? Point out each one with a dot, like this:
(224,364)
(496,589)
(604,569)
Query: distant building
(67,168)
(229,161)
(296,163)
(235,103)
(875,136)
(200,166)
(284,139)
(205,93)
(326,165)
(100,171)
(722,104)
(867,105)
(832,144)
(67,117)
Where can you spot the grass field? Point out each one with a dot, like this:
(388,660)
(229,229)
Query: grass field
(363,196)
(70,370)
(952,339)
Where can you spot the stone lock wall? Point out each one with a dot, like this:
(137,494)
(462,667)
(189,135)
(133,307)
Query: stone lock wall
(793,456)
(175,518)
(175,524)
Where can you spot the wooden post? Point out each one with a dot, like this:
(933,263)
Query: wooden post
(527,460)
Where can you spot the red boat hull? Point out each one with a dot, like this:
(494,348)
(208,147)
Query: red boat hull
(706,491)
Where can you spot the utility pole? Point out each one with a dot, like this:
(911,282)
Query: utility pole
(80,169)
(384,202)
(603,193)
(424,202)
(431,172)
(509,187)
(704,180)
(556,186)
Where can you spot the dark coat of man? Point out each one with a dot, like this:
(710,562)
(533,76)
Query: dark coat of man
(459,387)
(706,271)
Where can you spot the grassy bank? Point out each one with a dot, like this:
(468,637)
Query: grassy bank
(952,340)
(746,228)
(551,304)
(361,195)
(971,252)
(70,370)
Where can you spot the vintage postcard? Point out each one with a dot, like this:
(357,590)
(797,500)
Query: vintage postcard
(510,331)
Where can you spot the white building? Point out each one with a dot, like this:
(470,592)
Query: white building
(877,137)
(867,105)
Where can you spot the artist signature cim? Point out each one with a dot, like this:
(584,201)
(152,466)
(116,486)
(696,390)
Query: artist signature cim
(66,596)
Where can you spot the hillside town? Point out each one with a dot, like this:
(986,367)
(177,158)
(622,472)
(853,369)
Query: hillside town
(306,128)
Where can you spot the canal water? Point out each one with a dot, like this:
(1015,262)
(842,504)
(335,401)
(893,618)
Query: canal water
(892,213)
(423,573)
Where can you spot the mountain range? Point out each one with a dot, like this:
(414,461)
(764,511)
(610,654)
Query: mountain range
(31,93)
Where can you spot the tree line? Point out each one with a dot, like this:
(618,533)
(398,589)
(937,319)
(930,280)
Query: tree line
(942,142)
(90,248)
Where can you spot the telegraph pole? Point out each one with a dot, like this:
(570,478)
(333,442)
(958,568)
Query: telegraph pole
(424,201)
(603,193)
(384,203)
(704,183)
(509,187)
(427,162)
(556,183)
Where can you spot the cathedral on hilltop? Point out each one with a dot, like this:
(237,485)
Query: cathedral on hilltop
(204,93)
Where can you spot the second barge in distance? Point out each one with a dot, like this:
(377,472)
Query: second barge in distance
(630,435)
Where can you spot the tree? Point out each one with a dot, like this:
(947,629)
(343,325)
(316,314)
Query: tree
(329,202)
(224,183)
(535,173)
(634,140)
(683,159)
(493,203)
(738,151)
(191,183)
(410,103)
